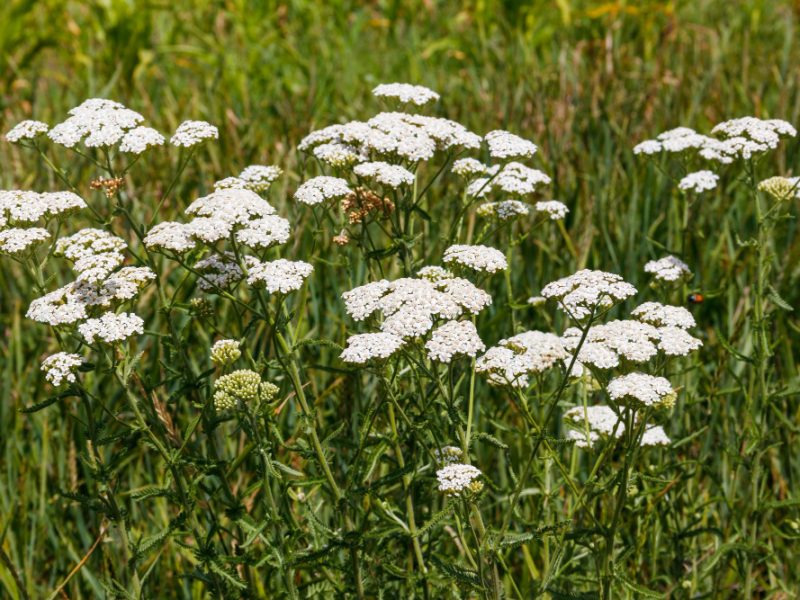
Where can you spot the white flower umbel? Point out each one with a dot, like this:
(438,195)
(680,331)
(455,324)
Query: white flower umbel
(337,155)
(591,423)
(640,389)
(507,146)
(97,122)
(655,436)
(191,133)
(264,232)
(392,176)
(674,341)
(279,276)
(235,206)
(225,352)
(456,479)
(434,273)
(20,241)
(606,343)
(664,315)
(586,291)
(319,189)
(647,147)
(515,179)
(468,167)
(554,209)
(504,210)
(23,207)
(767,132)
(258,178)
(668,269)
(56,308)
(477,258)
(61,367)
(139,139)
(26,130)
(452,339)
(513,360)
(220,271)
(170,235)
(364,347)
(111,328)
(89,242)
(406,93)
(698,182)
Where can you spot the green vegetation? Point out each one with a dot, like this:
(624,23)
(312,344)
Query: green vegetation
(136,486)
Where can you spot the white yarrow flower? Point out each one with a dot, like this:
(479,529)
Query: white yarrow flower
(478,258)
(191,133)
(364,347)
(279,276)
(452,339)
(505,146)
(61,367)
(111,327)
(455,479)
(18,241)
(406,93)
(139,139)
(552,208)
(699,181)
(586,291)
(641,389)
(26,130)
(389,175)
(668,269)
(319,189)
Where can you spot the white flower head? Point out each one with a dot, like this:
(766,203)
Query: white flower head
(191,133)
(20,241)
(698,182)
(364,347)
(477,258)
(139,139)
(61,367)
(264,232)
(586,291)
(668,269)
(452,339)
(554,209)
(641,389)
(279,276)
(468,167)
(504,210)
(225,352)
(170,235)
(99,123)
(513,360)
(26,130)
(111,328)
(392,176)
(319,189)
(406,93)
(655,436)
(456,479)
(647,147)
(663,315)
(434,273)
(507,146)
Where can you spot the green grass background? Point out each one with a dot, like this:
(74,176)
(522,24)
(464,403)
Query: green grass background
(584,80)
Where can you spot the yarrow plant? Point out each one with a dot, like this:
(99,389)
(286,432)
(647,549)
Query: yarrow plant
(332,374)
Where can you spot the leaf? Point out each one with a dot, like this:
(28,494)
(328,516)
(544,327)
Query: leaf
(435,519)
(639,590)
(778,300)
(218,568)
(39,405)
(727,346)
(465,576)
(490,439)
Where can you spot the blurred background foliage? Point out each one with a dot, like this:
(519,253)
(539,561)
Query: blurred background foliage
(585,80)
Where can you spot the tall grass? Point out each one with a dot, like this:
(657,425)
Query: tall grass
(716,516)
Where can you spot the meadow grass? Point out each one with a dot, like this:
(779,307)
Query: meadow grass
(715,515)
